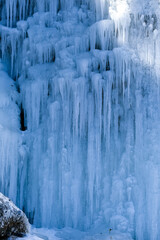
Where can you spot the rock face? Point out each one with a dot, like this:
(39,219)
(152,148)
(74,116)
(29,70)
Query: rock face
(12,220)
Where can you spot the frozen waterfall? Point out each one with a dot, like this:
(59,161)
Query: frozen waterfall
(80,113)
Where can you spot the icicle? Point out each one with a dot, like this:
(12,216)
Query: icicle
(119,12)
(11,39)
(101,9)
(101,35)
(15,9)
(33,101)
(9,135)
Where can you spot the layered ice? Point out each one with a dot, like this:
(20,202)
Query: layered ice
(9,134)
(86,93)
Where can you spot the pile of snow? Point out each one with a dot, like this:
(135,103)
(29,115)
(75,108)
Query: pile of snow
(71,234)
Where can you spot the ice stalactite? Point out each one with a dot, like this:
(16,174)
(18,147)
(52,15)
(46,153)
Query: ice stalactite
(10,44)
(9,135)
(14,10)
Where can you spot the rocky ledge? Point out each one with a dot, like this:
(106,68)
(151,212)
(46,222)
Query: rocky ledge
(12,220)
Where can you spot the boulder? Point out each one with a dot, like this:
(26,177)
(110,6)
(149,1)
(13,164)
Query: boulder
(12,220)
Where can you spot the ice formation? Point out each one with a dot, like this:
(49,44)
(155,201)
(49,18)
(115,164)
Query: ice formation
(87,95)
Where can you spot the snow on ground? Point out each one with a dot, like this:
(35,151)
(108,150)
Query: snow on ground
(71,234)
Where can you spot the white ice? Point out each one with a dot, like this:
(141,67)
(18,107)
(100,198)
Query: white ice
(86,92)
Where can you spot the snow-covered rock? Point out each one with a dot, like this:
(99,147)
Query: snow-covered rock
(12,220)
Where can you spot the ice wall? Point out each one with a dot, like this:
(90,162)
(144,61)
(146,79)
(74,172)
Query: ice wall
(9,135)
(87,73)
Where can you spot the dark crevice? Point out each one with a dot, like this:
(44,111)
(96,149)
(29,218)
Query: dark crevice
(102,101)
(22,120)
(30,215)
(107,66)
